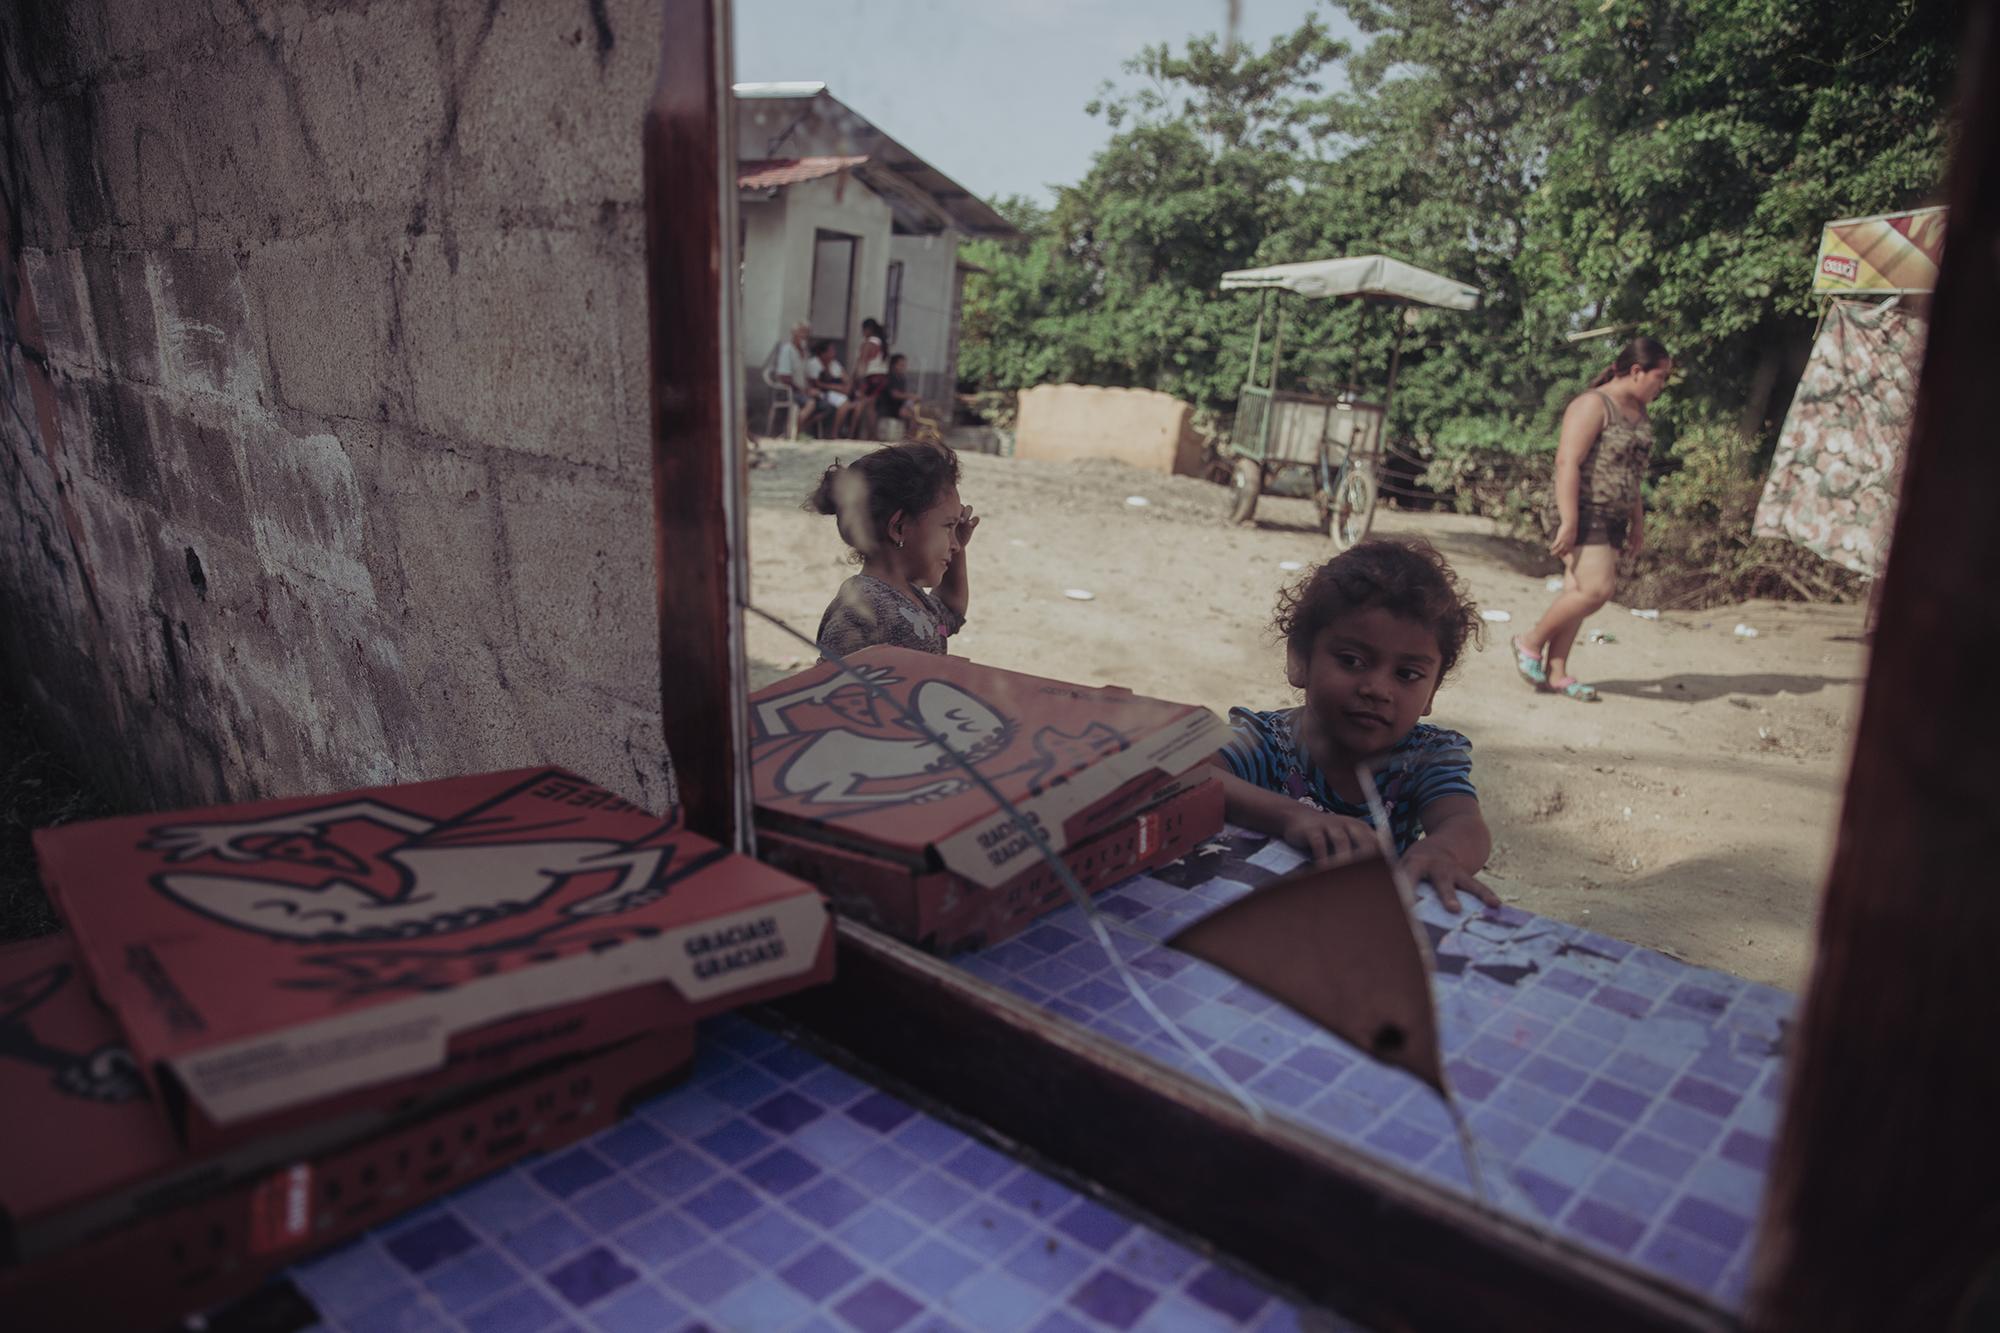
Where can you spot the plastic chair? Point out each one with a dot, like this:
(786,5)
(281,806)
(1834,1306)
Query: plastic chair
(783,399)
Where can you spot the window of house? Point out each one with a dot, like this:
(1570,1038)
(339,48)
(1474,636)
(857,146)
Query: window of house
(892,299)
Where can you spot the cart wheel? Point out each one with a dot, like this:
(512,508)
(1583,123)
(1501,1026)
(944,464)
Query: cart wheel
(1353,508)
(1248,481)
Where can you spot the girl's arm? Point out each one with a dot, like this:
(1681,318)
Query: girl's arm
(1453,850)
(953,589)
(1581,424)
(1327,838)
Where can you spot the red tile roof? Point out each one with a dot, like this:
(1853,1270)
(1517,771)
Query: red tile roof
(772,173)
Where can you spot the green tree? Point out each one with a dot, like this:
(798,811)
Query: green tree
(1709,142)
(1654,165)
(1117,284)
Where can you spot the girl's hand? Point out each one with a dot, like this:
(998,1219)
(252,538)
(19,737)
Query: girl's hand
(967,521)
(1565,539)
(1427,861)
(1329,839)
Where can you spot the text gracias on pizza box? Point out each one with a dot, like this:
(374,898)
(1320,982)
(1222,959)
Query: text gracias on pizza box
(92,1180)
(851,793)
(286,960)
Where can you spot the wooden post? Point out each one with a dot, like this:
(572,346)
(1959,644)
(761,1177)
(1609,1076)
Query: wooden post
(1257,337)
(1884,1202)
(699,479)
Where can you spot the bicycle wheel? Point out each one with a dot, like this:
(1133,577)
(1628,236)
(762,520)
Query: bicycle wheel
(1248,481)
(1353,508)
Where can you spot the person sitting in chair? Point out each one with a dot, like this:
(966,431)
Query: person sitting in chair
(895,399)
(870,373)
(829,384)
(789,371)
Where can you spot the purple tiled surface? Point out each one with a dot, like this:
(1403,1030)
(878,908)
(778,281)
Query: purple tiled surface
(1622,1098)
(775,1192)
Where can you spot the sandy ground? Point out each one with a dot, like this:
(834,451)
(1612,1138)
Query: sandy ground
(1691,810)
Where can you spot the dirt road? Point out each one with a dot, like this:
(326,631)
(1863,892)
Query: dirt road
(1691,810)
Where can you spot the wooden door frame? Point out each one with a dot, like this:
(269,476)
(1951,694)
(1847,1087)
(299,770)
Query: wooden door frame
(1895,1015)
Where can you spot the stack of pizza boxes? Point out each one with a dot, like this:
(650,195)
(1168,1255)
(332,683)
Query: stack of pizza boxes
(270,1026)
(855,790)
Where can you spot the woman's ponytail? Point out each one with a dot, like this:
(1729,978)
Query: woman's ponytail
(1643,352)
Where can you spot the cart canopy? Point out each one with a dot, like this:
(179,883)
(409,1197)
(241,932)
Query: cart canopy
(1359,275)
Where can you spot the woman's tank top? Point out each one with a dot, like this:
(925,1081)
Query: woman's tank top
(1615,468)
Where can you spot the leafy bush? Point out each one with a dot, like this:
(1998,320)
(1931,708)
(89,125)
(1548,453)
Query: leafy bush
(1698,550)
(1495,468)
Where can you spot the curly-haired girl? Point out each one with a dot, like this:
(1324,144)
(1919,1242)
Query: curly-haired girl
(898,508)
(1369,636)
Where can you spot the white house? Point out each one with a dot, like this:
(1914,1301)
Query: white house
(842,223)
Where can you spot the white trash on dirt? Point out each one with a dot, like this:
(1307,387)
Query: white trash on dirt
(1015,541)
(1080,594)
(1290,566)
(1137,501)
(1746,631)
(1497,617)
(1599,636)
(1648,614)
(1554,585)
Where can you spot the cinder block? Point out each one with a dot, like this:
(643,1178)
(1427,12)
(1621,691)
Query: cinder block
(199,446)
(325,311)
(614,741)
(255,169)
(635,372)
(116,547)
(205,335)
(371,87)
(434,546)
(1142,427)
(580,553)
(136,159)
(580,145)
(55,279)
(135,30)
(510,340)
(106,435)
(120,295)
(306,507)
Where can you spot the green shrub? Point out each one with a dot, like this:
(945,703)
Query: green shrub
(1495,468)
(1698,549)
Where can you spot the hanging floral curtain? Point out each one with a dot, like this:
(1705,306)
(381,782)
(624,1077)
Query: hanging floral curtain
(1832,487)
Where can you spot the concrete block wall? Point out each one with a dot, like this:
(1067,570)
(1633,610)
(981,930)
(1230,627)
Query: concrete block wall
(1142,427)
(328,462)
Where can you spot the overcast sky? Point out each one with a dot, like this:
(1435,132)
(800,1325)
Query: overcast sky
(990,92)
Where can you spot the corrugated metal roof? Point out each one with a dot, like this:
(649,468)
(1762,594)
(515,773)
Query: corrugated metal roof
(793,89)
(774,173)
(923,197)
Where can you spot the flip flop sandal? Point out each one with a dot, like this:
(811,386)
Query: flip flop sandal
(1529,665)
(1572,688)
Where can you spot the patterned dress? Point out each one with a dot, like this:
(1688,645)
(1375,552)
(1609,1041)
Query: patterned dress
(1611,476)
(866,611)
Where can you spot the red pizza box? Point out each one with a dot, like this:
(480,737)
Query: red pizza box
(941,912)
(832,763)
(275,964)
(92,1181)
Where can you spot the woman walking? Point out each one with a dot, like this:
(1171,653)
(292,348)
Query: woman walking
(1601,459)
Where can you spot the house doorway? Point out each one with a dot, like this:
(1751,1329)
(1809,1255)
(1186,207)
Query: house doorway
(832,309)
